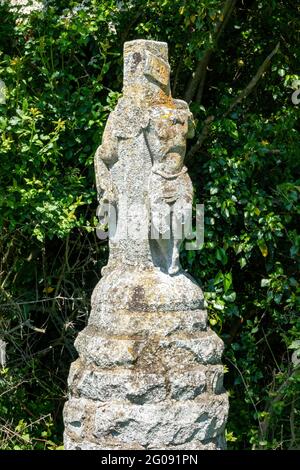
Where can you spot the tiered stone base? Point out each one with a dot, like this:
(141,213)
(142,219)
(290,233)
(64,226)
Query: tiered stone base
(149,373)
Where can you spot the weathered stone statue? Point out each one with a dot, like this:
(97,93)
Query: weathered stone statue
(149,373)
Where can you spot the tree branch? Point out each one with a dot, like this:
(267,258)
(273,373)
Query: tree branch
(130,25)
(253,82)
(201,138)
(176,77)
(205,63)
(246,91)
(202,64)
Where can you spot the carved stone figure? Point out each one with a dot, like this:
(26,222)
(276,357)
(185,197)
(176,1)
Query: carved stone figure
(149,373)
(170,188)
(149,129)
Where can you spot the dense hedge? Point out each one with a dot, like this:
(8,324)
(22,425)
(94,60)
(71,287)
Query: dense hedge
(62,68)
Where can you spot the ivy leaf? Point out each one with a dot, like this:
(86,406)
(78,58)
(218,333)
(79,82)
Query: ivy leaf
(265,282)
(227,281)
(230,297)
(295,344)
(263,247)
(221,255)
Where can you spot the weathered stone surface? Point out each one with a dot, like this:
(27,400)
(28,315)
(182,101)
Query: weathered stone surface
(122,385)
(75,417)
(149,373)
(147,291)
(170,423)
(178,349)
(133,324)
(137,386)
(211,444)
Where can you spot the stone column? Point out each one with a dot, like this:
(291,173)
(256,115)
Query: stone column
(149,372)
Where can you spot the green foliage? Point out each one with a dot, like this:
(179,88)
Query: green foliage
(19,428)
(63,71)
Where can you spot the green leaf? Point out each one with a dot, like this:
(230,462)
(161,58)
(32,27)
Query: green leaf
(263,247)
(265,282)
(221,255)
(227,280)
(295,344)
(230,297)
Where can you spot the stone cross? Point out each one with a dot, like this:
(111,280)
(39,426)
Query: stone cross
(139,166)
(149,373)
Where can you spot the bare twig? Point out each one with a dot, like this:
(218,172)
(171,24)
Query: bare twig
(248,392)
(47,299)
(10,433)
(13,388)
(280,392)
(21,325)
(292,425)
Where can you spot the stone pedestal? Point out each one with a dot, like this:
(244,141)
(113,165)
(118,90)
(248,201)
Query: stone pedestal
(149,372)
